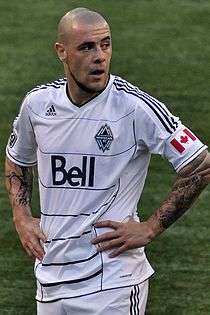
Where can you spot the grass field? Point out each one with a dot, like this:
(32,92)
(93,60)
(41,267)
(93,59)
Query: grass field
(164,48)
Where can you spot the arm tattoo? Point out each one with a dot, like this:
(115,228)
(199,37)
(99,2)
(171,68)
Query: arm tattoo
(20,184)
(185,191)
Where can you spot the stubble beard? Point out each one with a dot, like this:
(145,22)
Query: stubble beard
(82,86)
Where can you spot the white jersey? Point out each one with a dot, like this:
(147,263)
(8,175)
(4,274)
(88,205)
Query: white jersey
(92,164)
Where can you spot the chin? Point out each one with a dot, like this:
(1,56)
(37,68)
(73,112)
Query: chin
(97,87)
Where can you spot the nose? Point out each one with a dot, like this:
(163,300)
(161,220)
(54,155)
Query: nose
(99,55)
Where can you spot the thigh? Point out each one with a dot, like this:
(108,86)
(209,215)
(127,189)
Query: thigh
(51,308)
(122,301)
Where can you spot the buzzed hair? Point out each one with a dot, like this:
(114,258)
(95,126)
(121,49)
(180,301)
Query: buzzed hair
(75,16)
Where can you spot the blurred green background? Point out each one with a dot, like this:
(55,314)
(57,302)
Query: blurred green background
(164,48)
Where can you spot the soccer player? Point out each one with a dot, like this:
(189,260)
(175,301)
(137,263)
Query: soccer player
(91,135)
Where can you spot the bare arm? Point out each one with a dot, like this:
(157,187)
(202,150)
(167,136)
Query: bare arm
(190,182)
(19,181)
(188,185)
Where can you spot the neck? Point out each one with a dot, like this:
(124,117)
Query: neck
(78,95)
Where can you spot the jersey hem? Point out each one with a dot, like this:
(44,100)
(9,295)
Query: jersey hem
(106,288)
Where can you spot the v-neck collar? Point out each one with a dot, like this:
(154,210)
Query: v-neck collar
(96,99)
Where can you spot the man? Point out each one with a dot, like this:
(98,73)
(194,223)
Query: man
(91,136)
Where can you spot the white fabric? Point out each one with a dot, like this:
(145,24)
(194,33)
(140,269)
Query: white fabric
(122,301)
(92,164)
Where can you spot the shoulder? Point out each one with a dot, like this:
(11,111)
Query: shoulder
(132,93)
(40,95)
(148,109)
(46,88)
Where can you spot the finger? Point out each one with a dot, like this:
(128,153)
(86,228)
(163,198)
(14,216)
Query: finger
(110,245)
(108,223)
(36,253)
(35,245)
(41,236)
(105,237)
(118,251)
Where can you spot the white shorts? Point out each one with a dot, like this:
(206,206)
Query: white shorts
(120,301)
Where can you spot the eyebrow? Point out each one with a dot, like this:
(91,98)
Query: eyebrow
(90,43)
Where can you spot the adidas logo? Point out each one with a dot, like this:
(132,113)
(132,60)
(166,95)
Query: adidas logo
(51,111)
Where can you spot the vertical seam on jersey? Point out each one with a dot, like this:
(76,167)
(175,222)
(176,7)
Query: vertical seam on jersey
(134,135)
(114,197)
(102,263)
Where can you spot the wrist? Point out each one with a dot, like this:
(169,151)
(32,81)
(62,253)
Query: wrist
(20,215)
(154,228)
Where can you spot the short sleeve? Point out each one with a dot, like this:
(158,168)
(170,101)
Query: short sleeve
(22,147)
(160,132)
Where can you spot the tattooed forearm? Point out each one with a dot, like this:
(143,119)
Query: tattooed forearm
(19,181)
(183,194)
(187,187)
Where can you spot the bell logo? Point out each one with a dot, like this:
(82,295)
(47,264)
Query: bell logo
(75,176)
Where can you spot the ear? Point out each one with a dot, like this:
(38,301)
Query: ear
(61,51)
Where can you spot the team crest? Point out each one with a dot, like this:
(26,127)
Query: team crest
(104,138)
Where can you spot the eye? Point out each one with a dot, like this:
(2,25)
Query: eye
(86,47)
(105,45)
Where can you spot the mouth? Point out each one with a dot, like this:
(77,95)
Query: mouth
(97,72)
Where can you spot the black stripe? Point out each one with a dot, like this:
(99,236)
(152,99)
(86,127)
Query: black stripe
(135,302)
(79,188)
(146,102)
(163,112)
(86,294)
(153,100)
(66,238)
(65,215)
(110,200)
(88,154)
(71,262)
(192,155)
(152,105)
(83,118)
(138,299)
(54,84)
(72,281)
(77,215)
(131,302)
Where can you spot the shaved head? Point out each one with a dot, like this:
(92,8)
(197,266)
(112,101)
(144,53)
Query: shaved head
(77,18)
(84,47)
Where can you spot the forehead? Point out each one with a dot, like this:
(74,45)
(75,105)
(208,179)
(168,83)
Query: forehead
(88,33)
